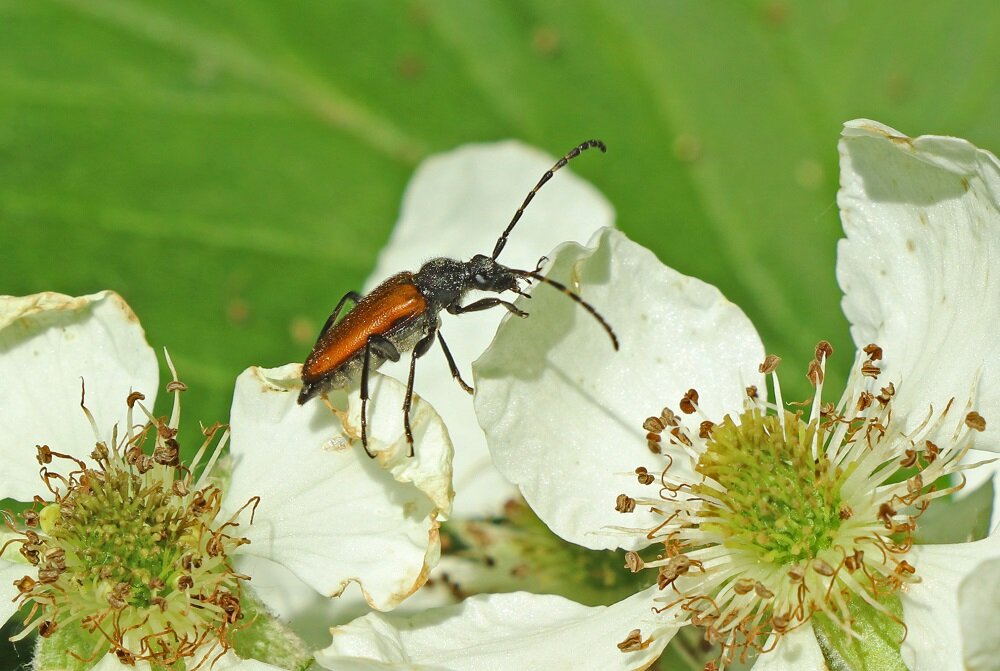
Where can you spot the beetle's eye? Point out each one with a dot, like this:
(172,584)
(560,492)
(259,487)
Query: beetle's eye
(480,279)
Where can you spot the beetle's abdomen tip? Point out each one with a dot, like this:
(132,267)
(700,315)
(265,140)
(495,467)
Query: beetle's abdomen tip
(308,391)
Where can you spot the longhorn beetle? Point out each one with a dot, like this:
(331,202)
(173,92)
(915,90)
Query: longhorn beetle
(402,314)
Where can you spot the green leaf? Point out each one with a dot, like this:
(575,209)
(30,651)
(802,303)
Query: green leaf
(957,520)
(874,645)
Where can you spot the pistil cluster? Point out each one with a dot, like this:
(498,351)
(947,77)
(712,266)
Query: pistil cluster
(770,516)
(129,554)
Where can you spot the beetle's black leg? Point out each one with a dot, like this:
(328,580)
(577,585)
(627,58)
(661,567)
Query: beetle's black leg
(365,365)
(419,350)
(384,348)
(349,296)
(451,364)
(486,304)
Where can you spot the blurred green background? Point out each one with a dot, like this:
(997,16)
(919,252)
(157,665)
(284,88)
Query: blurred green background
(232,168)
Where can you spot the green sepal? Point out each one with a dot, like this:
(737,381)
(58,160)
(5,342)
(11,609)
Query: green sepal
(874,645)
(268,639)
(52,653)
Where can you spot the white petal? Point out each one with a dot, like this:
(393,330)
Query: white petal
(507,631)
(357,664)
(228,662)
(563,411)
(111,663)
(456,205)
(10,571)
(979,616)
(919,267)
(328,512)
(930,607)
(310,615)
(796,651)
(48,344)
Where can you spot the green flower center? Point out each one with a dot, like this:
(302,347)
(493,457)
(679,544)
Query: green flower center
(126,536)
(766,492)
(132,559)
(120,534)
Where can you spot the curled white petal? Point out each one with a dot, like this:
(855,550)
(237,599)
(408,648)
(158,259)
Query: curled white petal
(506,631)
(456,205)
(930,607)
(979,617)
(919,266)
(328,512)
(563,411)
(50,344)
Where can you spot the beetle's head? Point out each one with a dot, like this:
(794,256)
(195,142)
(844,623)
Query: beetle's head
(485,274)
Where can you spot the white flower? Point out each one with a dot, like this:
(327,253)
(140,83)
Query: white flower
(759,520)
(162,570)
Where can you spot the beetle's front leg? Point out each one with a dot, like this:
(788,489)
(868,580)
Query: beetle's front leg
(486,304)
(352,296)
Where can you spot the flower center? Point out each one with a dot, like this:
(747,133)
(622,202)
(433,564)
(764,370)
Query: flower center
(127,535)
(764,492)
(131,556)
(780,517)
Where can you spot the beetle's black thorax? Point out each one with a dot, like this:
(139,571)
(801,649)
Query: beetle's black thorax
(445,282)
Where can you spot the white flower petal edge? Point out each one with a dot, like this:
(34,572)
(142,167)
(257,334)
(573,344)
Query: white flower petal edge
(551,390)
(513,631)
(456,205)
(797,651)
(328,512)
(930,607)
(918,265)
(49,342)
(979,616)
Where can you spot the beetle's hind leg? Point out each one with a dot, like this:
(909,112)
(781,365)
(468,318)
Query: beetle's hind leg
(419,350)
(385,349)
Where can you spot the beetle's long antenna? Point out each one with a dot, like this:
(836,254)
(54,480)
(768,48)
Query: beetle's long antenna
(546,177)
(535,275)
